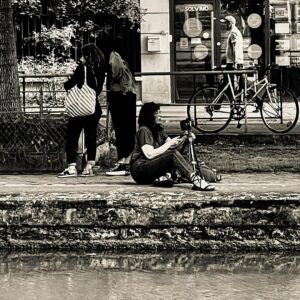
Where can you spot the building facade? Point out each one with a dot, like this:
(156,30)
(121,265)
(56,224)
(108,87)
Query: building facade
(188,35)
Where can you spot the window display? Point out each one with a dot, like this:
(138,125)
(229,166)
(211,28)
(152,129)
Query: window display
(297,11)
(282,28)
(280,12)
(285,32)
(282,44)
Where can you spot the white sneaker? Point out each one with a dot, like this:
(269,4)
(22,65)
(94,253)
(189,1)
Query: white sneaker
(68,172)
(119,170)
(87,171)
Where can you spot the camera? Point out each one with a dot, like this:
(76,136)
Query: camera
(186,125)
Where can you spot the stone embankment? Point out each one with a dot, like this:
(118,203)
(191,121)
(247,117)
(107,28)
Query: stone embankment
(255,207)
(247,212)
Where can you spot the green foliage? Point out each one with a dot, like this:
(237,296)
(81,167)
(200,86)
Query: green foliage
(92,18)
(56,37)
(128,9)
(27,7)
(30,65)
(94,15)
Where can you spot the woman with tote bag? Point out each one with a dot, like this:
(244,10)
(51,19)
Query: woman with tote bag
(88,78)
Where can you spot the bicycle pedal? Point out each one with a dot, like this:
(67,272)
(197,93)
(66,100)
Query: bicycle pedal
(239,125)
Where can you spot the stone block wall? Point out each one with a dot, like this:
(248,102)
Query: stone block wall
(155,25)
(100,222)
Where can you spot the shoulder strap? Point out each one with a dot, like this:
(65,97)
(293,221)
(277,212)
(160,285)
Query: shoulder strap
(84,74)
(95,77)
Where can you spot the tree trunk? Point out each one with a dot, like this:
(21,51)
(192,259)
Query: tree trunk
(9,81)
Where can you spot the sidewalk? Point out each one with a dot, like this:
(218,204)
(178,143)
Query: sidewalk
(233,186)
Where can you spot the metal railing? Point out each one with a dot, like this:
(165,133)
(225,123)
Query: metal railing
(244,72)
(35,139)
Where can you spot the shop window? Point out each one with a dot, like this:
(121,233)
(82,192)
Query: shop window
(249,18)
(285,33)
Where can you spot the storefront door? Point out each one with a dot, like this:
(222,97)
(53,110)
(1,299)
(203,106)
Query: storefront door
(195,43)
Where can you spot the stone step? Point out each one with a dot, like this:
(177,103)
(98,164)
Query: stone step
(150,221)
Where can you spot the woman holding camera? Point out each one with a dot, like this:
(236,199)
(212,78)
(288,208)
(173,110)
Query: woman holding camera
(156,155)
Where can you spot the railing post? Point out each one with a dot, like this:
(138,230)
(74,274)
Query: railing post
(245,101)
(41,101)
(24,91)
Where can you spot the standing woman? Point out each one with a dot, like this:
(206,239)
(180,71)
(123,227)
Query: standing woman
(156,155)
(93,62)
(121,98)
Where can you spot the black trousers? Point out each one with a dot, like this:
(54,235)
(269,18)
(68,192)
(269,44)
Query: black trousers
(74,128)
(123,114)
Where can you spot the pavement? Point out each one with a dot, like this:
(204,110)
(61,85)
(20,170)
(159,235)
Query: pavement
(266,185)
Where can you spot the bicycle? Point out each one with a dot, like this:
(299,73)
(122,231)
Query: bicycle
(211,109)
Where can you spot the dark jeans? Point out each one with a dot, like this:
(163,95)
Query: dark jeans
(74,128)
(144,171)
(123,114)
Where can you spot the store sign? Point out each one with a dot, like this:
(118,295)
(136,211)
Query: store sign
(254,20)
(254,51)
(200,52)
(198,7)
(193,8)
(192,27)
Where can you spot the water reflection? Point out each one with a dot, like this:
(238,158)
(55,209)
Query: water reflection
(149,276)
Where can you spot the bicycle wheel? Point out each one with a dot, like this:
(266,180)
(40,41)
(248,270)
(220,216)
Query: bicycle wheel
(280,110)
(208,114)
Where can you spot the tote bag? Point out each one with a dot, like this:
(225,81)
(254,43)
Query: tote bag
(81,101)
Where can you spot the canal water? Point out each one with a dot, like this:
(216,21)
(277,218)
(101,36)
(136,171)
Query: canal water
(111,276)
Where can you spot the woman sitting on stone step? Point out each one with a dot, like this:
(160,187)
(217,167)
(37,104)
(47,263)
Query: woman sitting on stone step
(156,155)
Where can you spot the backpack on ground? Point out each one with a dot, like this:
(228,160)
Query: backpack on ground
(209,174)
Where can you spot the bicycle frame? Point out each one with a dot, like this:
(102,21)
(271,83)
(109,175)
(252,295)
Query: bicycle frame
(264,82)
(278,106)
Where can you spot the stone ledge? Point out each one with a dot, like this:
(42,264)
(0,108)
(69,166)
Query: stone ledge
(160,243)
(209,222)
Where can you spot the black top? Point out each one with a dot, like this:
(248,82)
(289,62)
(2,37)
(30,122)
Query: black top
(144,136)
(94,79)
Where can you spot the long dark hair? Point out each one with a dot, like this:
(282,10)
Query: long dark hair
(93,55)
(147,118)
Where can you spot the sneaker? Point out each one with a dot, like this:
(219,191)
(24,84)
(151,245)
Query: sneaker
(119,170)
(164,181)
(87,171)
(68,172)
